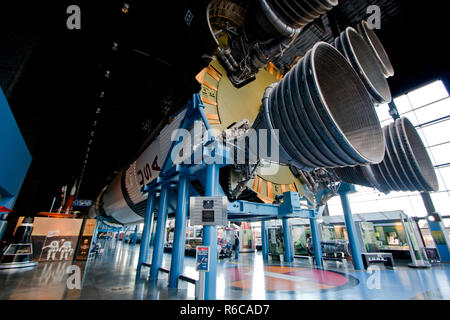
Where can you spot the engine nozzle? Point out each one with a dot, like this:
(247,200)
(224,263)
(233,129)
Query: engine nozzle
(324,114)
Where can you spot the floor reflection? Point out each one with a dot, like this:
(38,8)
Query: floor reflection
(113,276)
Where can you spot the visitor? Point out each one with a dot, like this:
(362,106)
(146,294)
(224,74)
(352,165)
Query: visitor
(236,247)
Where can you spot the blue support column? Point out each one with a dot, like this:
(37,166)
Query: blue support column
(265,241)
(288,247)
(124,235)
(344,190)
(317,240)
(210,233)
(158,248)
(3,223)
(135,235)
(118,235)
(152,235)
(146,233)
(179,240)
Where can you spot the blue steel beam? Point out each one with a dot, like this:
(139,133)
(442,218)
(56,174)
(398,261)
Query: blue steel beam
(153,235)
(179,241)
(158,248)
(146,233)
(118,235)
(315,230)
(194,111)
(238,210)
(135,235)
(3,223)
(317,240)
(265,241)
(252,211)
(288,247)
(344,190)
(210,233)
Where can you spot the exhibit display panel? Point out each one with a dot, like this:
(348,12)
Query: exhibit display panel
(301,236)
(247,238)
(275,239)
(55,239)
(369,237)
(391,236)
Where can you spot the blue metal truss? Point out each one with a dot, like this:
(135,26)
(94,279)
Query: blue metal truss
(178,177)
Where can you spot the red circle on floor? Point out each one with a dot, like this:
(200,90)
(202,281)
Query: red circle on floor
(283,278)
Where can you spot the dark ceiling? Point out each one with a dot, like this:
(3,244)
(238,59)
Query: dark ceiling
(53,76)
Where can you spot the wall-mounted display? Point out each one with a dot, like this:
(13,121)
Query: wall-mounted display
(275,238)
(391,236)
(247,238)
(369,236)
(55,239)
(300,237)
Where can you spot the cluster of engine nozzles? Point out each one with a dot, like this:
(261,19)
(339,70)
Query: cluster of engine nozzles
(324,112)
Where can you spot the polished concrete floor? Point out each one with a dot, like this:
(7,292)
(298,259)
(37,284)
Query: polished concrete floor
(113,276)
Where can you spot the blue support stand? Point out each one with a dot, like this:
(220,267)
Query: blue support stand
(146,233)
(135,234)
(152,235)
(175,173)
(210,233)
(3,223)
(179,241)
(265,241)
(288,247)
(344,190)
(118,236)
(315,230)
(317,240)
(158,248)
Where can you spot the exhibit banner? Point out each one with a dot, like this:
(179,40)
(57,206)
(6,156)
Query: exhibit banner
(55,239)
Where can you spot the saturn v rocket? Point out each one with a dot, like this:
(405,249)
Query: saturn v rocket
(323,109)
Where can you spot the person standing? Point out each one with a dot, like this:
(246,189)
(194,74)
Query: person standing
(236,247)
